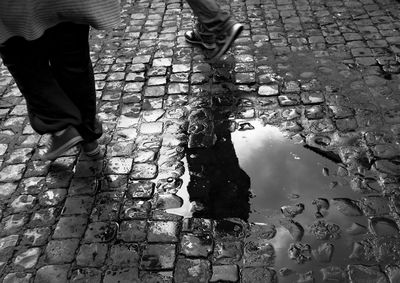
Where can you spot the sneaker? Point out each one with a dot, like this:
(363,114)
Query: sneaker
(225,41)
(62,141)
(91,149)
(194,37)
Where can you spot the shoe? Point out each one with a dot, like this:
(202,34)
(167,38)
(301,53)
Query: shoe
(91,149)
(62,141)
(225,41)
(194,37)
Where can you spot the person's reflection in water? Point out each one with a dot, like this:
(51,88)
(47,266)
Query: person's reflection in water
(218,186)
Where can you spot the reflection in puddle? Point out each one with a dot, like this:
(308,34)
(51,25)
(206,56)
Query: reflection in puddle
(285,174)
(262,177)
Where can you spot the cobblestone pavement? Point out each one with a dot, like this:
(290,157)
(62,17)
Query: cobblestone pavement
(324,72)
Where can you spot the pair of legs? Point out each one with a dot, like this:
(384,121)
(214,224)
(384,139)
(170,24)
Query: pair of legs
(54,73)
(215,30)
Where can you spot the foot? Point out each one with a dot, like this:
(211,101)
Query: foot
(225,40)
(194,37)
(62,141)
(91,149)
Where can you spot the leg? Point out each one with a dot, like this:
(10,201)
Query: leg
(209,14)
(49,108)
(216,30)
(71,66)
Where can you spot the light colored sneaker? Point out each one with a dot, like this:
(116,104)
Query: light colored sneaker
(225,40)
(194,37)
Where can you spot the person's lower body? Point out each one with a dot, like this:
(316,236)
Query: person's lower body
(54,73)
(215,30)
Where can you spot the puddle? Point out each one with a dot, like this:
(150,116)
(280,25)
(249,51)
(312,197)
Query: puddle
(262,177)
(283,174)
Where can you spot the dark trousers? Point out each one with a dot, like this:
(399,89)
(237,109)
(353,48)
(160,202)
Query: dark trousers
(54,73)
(210,16)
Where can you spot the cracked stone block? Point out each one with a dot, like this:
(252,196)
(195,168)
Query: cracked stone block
(28,258)
(123,255)
(17,278)
(36,236)
(87,275)
(132,231)
(52,273)
(101,232)
(143,171)
(163,231)
(196,245)
(12,173)
(92,255)
(61,251)
(225,273)
(70,227)
(158,257)
(192,271)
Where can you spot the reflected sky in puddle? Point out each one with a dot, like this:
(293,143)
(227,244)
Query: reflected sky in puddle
(285,173)
(281,173)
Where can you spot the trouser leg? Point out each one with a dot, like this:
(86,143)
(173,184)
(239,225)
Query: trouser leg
(209,15)
(49,107)
(71,66)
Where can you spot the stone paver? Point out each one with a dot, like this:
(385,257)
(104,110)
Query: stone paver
(325,72)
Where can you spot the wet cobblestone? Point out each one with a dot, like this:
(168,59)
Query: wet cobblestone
(325,73)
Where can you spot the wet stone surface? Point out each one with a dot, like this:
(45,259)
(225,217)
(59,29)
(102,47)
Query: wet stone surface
(277,163)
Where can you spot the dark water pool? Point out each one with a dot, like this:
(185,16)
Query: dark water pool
(285,173)
(281,173)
